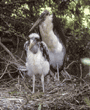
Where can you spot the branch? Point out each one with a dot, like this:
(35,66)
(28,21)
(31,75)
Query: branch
(70,64)
(15,62)
(6,49)
(4,71)
(15,3)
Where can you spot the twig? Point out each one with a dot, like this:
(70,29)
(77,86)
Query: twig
(20,59)
(81,71)
(21,74)
(65,74)
(9,74)
(70,64)
(20,2)
(9,82)
(12,62)
(15,62)
(18,86)
(19,67)
(4,71)
(17,45)
(1,16)
(6,49)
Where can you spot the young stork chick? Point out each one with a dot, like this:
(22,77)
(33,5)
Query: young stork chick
(53,36)
(37,61)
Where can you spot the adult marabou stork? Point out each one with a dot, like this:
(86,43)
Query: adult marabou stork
(52,34)
(37,61)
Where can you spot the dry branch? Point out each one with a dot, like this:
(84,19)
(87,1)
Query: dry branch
(8,51)
(70,64)
(15,61)
(4,71)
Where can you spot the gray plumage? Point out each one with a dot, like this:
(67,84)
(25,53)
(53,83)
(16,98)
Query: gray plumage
(37,61)
(53,36)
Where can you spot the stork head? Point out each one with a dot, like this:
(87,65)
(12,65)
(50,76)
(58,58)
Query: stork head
(40,19)
(34,38)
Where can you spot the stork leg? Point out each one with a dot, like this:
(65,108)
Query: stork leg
(42,79)
(55,76)
(33,83)
(58,72)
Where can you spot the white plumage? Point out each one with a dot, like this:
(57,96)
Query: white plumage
(37,61)
(56,48)
(53,36)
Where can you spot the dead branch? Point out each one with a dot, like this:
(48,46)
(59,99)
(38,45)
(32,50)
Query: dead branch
(81,71)
(14,3)
(8,51)
(15,62)
(70,64)
(4,71)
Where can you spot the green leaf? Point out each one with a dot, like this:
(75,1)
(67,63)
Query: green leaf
(86,61)
(87,101)
(39,108)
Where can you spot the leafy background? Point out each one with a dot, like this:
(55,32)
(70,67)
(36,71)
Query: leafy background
(18,16)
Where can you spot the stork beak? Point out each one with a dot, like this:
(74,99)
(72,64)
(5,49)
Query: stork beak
(40,19)
(35,24)
(31,44)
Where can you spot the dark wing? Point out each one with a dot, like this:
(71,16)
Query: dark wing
(44,49)
(58,30)
(26,45)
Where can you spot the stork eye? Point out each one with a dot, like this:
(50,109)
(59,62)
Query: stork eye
(47,13)
(31,38)
(37,39)
(44,14)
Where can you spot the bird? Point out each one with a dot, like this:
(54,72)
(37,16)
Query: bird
(52,34)
(37,60)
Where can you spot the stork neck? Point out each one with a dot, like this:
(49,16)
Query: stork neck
(52,41)
(34,49)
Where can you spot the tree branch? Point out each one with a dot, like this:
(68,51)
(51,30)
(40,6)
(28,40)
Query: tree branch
(6,49)
(14,3)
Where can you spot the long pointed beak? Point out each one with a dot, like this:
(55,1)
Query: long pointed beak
(35,24)
(40,19)
(31,44)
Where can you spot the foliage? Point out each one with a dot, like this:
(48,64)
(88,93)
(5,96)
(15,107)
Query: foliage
(87,101)
(18,16)
(86,61)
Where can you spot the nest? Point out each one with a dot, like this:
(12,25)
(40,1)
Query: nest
(71,93)
(68,95)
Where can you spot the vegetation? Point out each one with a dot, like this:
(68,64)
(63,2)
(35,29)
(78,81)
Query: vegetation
(16,18)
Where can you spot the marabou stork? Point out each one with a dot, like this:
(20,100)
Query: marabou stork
(52,34)
(37,61)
